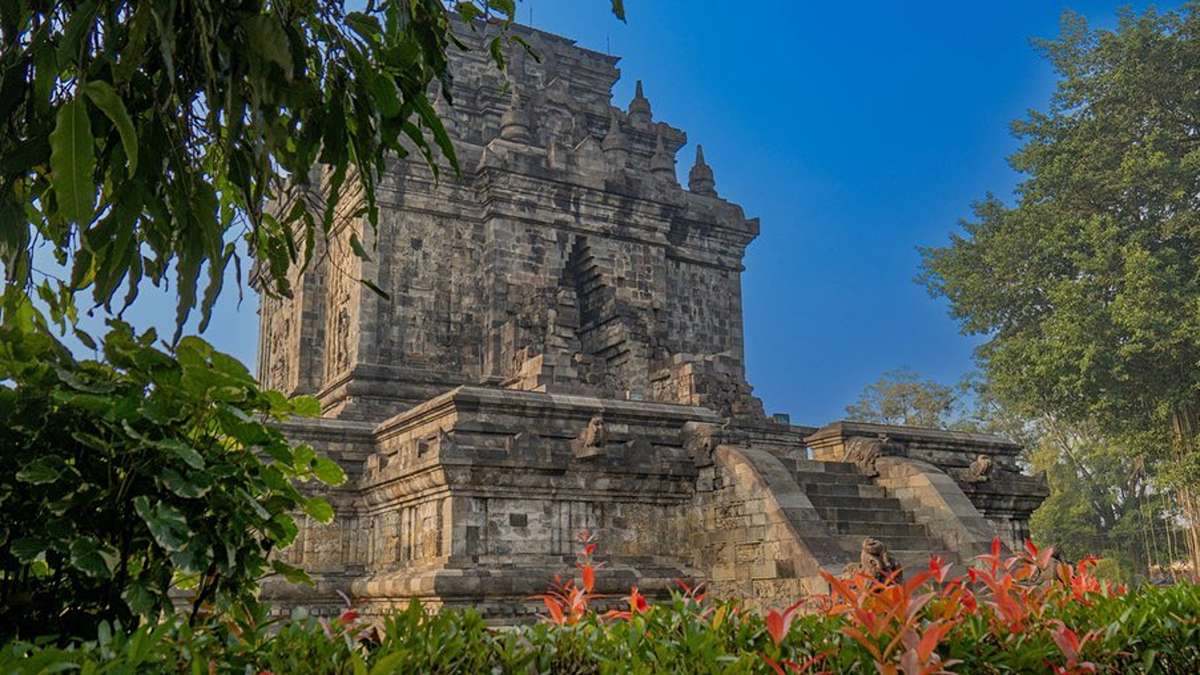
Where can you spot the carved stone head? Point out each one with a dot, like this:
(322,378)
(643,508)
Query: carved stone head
(873,547)
(596,434)
(701,441)
(864,452)
(981,469)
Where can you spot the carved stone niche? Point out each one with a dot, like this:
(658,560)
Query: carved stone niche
(593,442)
(378,462)
(433,444)
(374,463)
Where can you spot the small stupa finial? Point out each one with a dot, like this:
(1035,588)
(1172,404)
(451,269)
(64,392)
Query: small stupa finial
(514,125)
(615,145)
(640,115)
(615,138)
(700,179)
(662,163)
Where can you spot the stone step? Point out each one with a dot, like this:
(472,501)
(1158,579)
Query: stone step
(868,528)
(814,466)
(865,515)
(841,490)
(824,501)
(822,478)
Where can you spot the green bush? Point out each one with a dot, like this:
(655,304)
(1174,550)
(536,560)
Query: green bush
(143,479)
(1155,630)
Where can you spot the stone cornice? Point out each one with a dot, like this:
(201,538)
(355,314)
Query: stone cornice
(469,399)
(957,440)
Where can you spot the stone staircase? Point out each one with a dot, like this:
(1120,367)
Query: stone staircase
(855,508)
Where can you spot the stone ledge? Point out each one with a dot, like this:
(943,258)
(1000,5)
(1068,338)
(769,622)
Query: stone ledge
(957,440)
(541,405)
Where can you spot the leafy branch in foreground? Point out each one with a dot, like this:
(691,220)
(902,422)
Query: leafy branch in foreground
(135,137)
(147,475)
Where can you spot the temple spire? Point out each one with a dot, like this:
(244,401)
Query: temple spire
(639,109)
(700,179)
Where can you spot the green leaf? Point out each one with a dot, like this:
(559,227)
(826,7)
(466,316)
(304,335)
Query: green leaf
(304,456)
(385,95)
(183,451)
(93,558)
(375,289)
(135,50)
(468,12)
(282,529)
(497,50)
(27,549)
(268,39)
(365,25)
(329,472)
(167,525)
(187,488)
(506,7)
(80,22)
(72,161)
(40,471)
(388,664)
(618,8)
(357,246)
(139,598)
(190,255)
(294,575)
(319,510)
(306,406)
(105,98)
(85,339)
(73,380)
(25,156)
(432,120)
(216,280)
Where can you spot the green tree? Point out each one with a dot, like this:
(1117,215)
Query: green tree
(1088,288)
(136,138)
(123,481)
(903,397)
(1103,500)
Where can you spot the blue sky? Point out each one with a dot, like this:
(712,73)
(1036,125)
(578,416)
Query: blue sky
(855,131)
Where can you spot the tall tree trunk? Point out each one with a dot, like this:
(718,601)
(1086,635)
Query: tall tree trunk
(1186,422)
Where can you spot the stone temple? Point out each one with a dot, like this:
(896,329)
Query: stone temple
(562,350)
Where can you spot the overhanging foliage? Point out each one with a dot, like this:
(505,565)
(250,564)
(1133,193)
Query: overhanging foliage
(137,137)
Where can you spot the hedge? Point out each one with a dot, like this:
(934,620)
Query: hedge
(1007,614)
